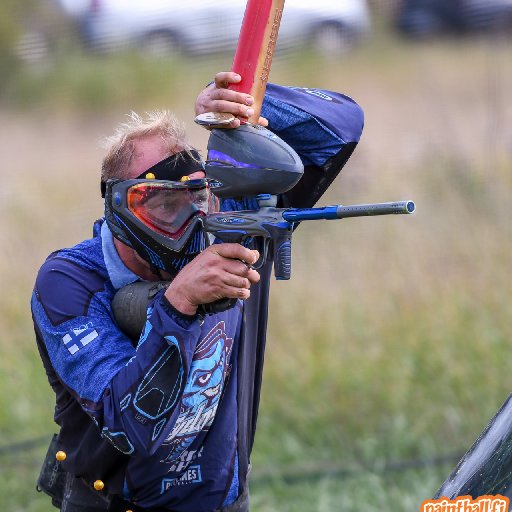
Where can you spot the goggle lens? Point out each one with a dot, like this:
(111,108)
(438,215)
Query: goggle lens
(167,209)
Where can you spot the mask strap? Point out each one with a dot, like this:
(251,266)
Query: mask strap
(172,168)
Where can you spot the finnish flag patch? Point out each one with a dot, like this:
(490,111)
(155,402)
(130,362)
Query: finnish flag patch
(78,338)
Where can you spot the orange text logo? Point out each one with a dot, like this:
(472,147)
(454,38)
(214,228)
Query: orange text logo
(467,504)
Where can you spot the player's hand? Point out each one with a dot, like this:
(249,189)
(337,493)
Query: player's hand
(222,271)
(216,97)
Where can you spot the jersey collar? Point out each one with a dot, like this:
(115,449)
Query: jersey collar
(120,275)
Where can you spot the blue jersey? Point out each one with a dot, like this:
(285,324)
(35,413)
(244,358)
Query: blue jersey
(168,421)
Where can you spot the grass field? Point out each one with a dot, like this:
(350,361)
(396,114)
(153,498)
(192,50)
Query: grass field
(391,341)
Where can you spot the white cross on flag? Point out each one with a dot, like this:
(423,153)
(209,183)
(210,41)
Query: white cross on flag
(79,338)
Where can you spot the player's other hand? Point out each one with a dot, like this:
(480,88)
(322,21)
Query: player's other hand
(216,97)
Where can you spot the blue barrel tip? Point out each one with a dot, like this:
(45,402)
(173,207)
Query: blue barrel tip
(410,206)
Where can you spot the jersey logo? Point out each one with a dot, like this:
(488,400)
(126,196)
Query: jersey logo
(207,376)
(191,476)
(76,339)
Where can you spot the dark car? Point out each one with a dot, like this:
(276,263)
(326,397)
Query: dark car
(421,18)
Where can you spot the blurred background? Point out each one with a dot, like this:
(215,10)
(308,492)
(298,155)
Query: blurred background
(388,349)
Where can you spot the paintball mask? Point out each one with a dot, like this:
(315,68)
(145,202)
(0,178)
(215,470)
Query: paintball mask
(159,213)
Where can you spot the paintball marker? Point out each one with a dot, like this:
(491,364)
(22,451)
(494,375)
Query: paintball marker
(252,161)
(277,224)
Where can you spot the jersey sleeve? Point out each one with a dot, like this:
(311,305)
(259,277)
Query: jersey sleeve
(324,128)
(132,394)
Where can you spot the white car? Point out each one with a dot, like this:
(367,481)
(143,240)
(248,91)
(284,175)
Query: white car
(209,26)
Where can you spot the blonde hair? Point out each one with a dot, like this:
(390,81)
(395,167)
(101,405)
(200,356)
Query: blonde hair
(121,145)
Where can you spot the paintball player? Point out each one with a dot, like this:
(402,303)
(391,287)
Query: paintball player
(164,420)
